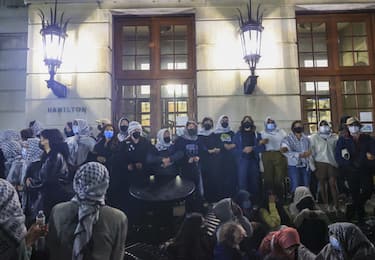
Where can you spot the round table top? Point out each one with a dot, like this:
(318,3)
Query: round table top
(162,189)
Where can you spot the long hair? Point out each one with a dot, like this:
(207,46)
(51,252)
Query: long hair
(243,120)
(188,241)
(56,142)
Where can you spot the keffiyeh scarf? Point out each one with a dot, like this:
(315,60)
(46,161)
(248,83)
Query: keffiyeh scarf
(12,219)
(90,185)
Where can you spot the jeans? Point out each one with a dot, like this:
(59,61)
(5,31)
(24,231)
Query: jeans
(299,176)
(248,175)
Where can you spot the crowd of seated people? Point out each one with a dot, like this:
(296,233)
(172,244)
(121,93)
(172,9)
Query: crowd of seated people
(81,182)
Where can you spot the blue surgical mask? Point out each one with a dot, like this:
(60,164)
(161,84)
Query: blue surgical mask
(246,204)
(75,129)
(335,243)
(324,129)
(353,129)
(108,134)
(270,126)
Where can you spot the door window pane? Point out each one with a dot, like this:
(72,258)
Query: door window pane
(173,47)
(136,48)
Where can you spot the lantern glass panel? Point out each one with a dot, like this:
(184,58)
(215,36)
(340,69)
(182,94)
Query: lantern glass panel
(54,45)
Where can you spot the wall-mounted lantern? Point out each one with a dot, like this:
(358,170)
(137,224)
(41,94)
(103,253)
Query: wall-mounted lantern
(53,35)
(251,37)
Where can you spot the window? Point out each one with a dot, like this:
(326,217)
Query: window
(336,67)
(155,71)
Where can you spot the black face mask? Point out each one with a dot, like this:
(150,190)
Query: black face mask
(41,147)
(207,126)
(136,135)
(247,125)
(99,127)
(167,139)
(68,133)
(124,128)
(192,132)
(224,124)
(298,129)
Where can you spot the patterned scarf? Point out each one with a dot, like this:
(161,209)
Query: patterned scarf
(161,145)
(121,136)
(37,127)
(83,127)
(296,145)
(33,152)
(90,185)
(219,128)
(12,219)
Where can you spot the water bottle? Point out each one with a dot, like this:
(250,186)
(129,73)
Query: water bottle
(40,220)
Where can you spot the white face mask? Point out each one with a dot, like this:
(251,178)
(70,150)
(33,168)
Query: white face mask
(75,129)
(324,129)
(353,129)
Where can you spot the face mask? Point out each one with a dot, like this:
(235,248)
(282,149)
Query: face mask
(207,126)
(124,128)
(270,126)
(335,243)
(298,129)
(100,128)
(41,147)
(75,129)
(353,129)
(324,129)
(192,131)
(247,125)
(108,134)
(224,124)
(246,204)
(68,133)
(167,139)
(136,135)
(24,153)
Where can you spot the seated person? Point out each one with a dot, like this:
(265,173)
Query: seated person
(230,236)
(346,241)
(284,244)
(272,212)
(191,241)
(227,210)
(85,228)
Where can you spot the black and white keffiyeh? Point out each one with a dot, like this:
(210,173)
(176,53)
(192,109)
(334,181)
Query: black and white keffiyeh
(161,145)
(12,219)
(33,152)
(219,128)
(90,185)
(37,128)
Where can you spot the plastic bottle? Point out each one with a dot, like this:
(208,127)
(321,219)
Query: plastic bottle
(40,220)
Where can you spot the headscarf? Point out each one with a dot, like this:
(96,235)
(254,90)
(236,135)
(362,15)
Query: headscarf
(275,242)
(300,193)
(90,186)
(186,133)
(351,239)
(161,145)
(219,128)
(37,127)
(134,125)
(12,220)
(322,135)
(83,127)
(11,146)
(33,152)
(121,136)
(265,125)
(204,132)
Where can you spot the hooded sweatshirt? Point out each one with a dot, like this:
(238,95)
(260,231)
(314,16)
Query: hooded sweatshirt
(323,148)
(353,244)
